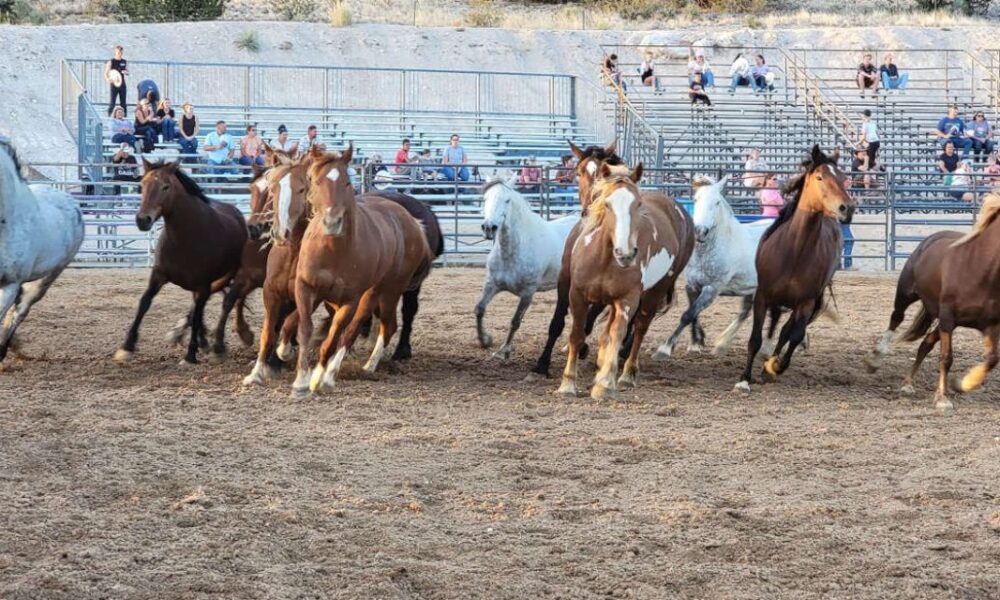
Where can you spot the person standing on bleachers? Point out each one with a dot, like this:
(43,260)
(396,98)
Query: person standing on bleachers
(870,138)
(150,91)
(739,73)
(982,137)
(455,154)
(892,79)
(251,148)
(219,145)
(868,76)
(952,129)
(115,71)
(754,170)
(771,199)
(188,135)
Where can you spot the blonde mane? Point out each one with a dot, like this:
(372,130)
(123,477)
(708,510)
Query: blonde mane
(987,214)
(602,188)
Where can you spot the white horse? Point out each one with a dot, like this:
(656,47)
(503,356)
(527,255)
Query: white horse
(40,231)
(526,254)
(723,264)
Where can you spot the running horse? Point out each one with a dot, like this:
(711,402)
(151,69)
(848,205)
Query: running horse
(199,249)
(357,258)
(631,249)
(797,257)
(956,278)
(41,229)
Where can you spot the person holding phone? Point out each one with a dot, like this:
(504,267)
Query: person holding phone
(219,146)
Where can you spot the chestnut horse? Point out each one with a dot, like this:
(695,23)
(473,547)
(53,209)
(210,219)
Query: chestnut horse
(199,249)
(797,257)
(631,250)
(956,278)
(357,258)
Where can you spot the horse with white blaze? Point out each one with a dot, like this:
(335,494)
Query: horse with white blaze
(525,258)
(41,229)
(722,264)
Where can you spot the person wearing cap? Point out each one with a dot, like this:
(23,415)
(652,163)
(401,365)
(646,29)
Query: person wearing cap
(188,134)
(698,64)
(283,143)
(251,148)
(126,166)
(952,129)
(982,137)
(146,124)
(868,76)
(115,71)
(870,138)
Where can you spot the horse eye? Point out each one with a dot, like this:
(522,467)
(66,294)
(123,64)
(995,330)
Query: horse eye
(166,187)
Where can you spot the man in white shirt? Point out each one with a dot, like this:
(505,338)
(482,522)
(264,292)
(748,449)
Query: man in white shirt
(869,136)
(309,140)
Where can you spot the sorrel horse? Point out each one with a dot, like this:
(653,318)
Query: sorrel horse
(358,258)
(41,230)
(956,278)
(631,250)
(525,257)
(797,258)
(199,249)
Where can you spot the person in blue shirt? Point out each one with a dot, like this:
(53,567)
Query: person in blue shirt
(455,155)
(952,129)
(982,137)
(221,150)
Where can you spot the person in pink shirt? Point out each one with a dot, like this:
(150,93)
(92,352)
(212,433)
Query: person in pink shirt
(771,199)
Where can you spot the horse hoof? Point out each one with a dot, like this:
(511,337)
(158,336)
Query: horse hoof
(300,393)
(185,363)
(907,389)
(567,390)
(719,350)
(285,352)
(217,358)
(743,386)
(600,392)
(662,353)
(122,356)
(503,353)
(872,364)
(533,377)
(254,378)
(485,341)
(696,349)
(943,403)
(402,353)
(626,383)
(246,338)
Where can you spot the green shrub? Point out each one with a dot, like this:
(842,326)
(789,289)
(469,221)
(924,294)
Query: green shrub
(248,41)
(21,11)
(172,10)
(483,13)
(294,10)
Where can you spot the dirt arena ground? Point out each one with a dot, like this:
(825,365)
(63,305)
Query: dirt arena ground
(449,477)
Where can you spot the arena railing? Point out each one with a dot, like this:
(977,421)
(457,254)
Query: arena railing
(82,121)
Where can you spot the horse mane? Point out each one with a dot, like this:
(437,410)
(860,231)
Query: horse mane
(987,214)
(794,189)
(601,154)
(596,210)
(190,185)
(8,147)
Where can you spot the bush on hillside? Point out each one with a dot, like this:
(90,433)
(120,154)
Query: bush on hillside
(294,10)
(172,10)
(21,11)
(483,13)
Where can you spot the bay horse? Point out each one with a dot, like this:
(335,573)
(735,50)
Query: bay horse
(525,257)
(199,249)
(956,278)
(41,229)
(631,250)
(356,258)
(797,258)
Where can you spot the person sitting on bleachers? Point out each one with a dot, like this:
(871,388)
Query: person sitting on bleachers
(530,178)
(992,170)
(403,158)
(128,166)
(187,135)
(739,73)
(610,73)
(647,72)
(283,141)
(761,77)
(867,75)
(948,160)
(455,154)
(221,150)
(426,164)
(982,137)
(251,148)
(892,79)
(310,139)
(566,173)
(771,199)
(961,182)
(167,123)
(697,91)
(754,169)
(952,129)
(861,169)
(145,124)
(121,128)
(697,62)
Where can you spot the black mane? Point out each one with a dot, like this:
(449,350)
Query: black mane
(190,185)
(794,188)
(8,147)
(600,154)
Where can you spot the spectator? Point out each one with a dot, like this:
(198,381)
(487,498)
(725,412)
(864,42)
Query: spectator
(149,91)
(952,129)
(696,91)
(771,199)
(284,142)
(530,178)
(403,158)
(115,71)
(848,237)
(167,118)
(982,137)
(867,75)
(566,173)
(190,125)
(739,73)
(121,128)
(219,146)
(251,148)
(961,182)
(870,138)
(646,73)
(754,169)
(860,169)
(992,171)
(697,62)
(948,160)
(426,164)
(611,74)
(892,79)
(145,125)
(309,140)
(454,154)
(127,168)
(761,76)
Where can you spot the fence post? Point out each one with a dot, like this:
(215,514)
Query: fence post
(572,97)
(246,94)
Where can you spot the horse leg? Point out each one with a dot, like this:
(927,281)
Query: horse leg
(605,382)
(593,313)
(640,325)
(411,304)
(30,293)
(756,339)
(903,301)
(723,341)
(796,334)
(8,297)
(578,313)
(489,291)
(156,281)
(240,325)
(946,325)
(770,371)
(197,324)
(697,331)
(176,334)
(324,376)
(387,327)
(515,323)
(305,304)
(229,301)
(926,345)
(626,347)
(262,370)
(973,380)
(767,349)
(698,300)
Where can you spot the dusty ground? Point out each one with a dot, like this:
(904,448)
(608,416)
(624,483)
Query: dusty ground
(451,478)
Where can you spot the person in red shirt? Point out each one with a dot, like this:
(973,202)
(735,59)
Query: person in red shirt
(403,157)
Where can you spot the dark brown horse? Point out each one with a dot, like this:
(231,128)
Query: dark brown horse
(797,258)
(199,249)
(956,278)
(632,248)
(358,258)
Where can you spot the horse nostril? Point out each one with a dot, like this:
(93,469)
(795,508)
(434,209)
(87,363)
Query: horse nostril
(843,208)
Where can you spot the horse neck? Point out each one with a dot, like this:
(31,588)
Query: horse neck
(521,223)
(725,221)
(13,198)
(185,215)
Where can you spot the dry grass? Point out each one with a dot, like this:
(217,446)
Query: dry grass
(340,14)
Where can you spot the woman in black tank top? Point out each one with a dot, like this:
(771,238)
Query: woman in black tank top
(119,64)
(188,139)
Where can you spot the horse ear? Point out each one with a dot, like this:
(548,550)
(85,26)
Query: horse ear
(172,166)
(637,173)
(723,181)
(512,180)
(817,155)
(257,170)
(576,150)
(348,153)
(268,154)
(146,165)
(612,147)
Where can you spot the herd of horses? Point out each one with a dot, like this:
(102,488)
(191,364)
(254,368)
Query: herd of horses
(311,241)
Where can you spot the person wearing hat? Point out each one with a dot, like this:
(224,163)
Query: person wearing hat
(115,71)
(283,143)
(870,138)
(697,63)
(188,133)
(126,166)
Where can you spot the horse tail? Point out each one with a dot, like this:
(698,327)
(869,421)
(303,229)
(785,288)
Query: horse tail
(918,328)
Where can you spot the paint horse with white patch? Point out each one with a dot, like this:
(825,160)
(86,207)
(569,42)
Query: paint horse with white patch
(956,278)
(525,257)
(632,248)
(41,230)
(797,257)
(722,264)
(357,258)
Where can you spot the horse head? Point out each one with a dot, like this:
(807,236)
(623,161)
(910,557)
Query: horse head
(289,185)
(823,187)
(709,205)
(261,206)
(160,186)
(589,160)
(614,206)
(332,195)
(497,197)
